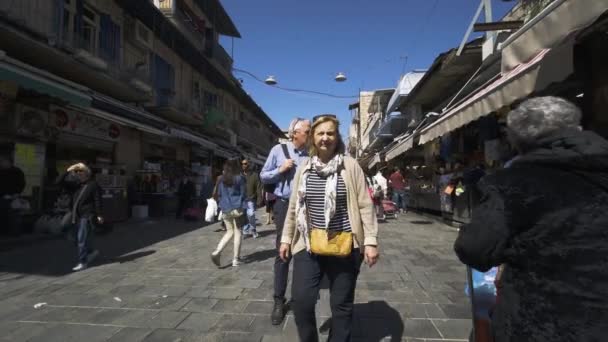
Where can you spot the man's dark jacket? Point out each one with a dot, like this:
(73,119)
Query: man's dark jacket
(89,204)
(546,219)
(253,186)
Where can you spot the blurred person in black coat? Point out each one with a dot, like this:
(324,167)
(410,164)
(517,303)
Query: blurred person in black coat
(545,218)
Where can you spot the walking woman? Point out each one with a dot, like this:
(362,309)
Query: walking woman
(231,200)
(86,211)
(330,227)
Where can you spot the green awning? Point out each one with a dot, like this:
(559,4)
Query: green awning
(31,79)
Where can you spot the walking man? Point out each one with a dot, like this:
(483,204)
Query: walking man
(398,185)
(253,189)
(280,169)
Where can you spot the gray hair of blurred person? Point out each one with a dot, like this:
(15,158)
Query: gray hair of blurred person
(294,125)
(538,117)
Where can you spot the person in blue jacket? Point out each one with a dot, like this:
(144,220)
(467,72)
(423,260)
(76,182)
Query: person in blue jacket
(231,196)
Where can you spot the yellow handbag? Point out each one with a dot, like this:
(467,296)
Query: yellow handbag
(331,243)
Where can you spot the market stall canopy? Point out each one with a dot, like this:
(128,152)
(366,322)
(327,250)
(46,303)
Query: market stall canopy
(399,148)
(556,22)
(110,109)
(548,66)
(375,160)
(43,82)
(445,76)
(225,153)
(182,134)
(404,88)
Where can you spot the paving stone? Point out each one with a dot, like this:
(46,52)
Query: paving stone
(130,335)
(225,293)
(75,333)
(229,306)
(25,331)
(235,323)
(167,319)
(455,311)
(258,307)
(420,328)
(135,318)
(200,322)
(164,335)
(454,328)
(199,305)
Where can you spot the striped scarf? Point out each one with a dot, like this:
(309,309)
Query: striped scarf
(328,171)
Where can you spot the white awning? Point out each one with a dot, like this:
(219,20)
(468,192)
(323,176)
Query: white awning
(120,120)
(376,160)
(556,22)
(400,148)
(548,66)
(178,133)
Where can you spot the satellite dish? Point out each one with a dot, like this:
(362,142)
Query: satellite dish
(340,77)
(270,80)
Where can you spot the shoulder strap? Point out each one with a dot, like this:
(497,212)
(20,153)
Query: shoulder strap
(287,156)
(285,151)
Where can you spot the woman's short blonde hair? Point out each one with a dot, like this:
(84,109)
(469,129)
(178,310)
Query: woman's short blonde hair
(312,149)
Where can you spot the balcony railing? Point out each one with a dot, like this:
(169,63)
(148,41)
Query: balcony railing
(35,15)
(222,57)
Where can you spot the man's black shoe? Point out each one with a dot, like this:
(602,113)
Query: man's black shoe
(278,312)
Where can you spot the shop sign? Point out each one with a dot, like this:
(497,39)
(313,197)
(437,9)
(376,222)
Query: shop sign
(65,120)
(30,122)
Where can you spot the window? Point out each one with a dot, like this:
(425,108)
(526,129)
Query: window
(69,11)
(90,24)
(196,95)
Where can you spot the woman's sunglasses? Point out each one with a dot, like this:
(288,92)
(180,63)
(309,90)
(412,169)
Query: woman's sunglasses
(323,116)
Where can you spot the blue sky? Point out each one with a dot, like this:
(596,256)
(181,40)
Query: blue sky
(305,43)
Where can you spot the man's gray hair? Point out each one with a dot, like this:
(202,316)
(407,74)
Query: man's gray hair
(539,116)
(293,126)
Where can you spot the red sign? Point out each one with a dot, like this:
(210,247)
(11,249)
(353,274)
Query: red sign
(82,124)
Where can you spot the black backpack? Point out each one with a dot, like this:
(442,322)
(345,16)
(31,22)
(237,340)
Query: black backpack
(272,187)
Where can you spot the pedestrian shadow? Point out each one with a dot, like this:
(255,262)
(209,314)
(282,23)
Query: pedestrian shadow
(128,257)
(126,242)
(260,256)
(374,322)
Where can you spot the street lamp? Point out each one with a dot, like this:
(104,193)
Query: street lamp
(340,77)
(270,80)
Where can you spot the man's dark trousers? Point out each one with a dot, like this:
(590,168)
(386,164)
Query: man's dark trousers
(281,268)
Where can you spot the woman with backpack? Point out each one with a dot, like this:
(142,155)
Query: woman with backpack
(231,196)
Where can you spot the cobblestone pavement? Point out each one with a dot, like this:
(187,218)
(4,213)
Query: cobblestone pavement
(155,282)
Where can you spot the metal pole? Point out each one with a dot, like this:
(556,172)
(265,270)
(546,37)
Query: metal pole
(470,29)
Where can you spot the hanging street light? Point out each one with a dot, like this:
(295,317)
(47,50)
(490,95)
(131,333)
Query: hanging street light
(340,77)
(270,80)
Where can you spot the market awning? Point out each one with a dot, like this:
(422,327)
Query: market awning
(548,66)
(375,161)
(43,82)
(405,86)
(178,133)
(556,22)
(121,120)
(132,113)
(224,153)
(400,148)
